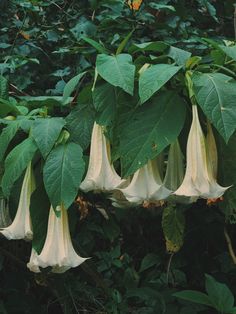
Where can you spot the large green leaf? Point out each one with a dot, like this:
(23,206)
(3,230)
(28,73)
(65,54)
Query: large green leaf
(229,51)
(220,295)
(80,123)
(216,94)
(153,78)
(6,136)
(117,70)
(149,130)
(62,173)
(46,132)
(104,99)
(16,162)
(173,225)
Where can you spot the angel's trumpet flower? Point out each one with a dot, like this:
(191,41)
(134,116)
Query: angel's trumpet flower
(21,226)
(146,185)
(200,178)
(101,175)
(58,251)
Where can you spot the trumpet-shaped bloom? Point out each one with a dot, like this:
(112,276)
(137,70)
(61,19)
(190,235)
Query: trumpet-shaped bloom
(101,174)
(58,251)
(200,179)
(5,219)
(21,225)
(146,185)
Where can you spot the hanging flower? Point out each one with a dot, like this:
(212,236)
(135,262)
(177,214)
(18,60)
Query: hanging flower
(58,251)
(5,219)
(21,225)
(200,179)
(146,185)
(101,175)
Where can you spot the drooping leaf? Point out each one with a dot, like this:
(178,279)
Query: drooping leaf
(6,136)
(117,70)
(16,162)
(124,42)
(219,294)
(63,173)
(153,78)
(173,225)
(158,6)
(104,99)
(193,296)
(216,94)
(148,261)
(95,44)
(7,107)
(71,86)
(39,212)
(149,130)
(80,123)
(46,132)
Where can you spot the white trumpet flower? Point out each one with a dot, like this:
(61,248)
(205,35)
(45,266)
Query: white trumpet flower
(146,185)
(21,226)
(5,219)
(200,178)
(101,175)
(58,251)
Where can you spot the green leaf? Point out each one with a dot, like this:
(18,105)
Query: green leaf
(6,136)
(117,70)
(39,212)
(16,162)
(180,56)
(124,43)
(3,87)
(148,261)
(149,130)
(7,107)
(62,173)
(216,94)
(80,123)
(229,51)
(95,44)
(104,99)
(173,225)
(153,78)
(46,132)
(219,294)
(156,46)
(41,101)
(71,86)
(193,296)
(157,6)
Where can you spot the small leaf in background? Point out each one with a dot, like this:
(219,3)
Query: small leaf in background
(155,46)
(46,132)
(173,225)
(229,51)
(104,99)
(16,162)
(6,136)
(117,70)
(63,172)
(148,261)
(71,86)
(80,123)
(153,78)
(3,87)
(194,296)
(216,94)
(149,130)
(219,294)
(95,45)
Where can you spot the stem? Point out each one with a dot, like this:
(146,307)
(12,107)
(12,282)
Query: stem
(230,247)
(168,267)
